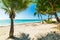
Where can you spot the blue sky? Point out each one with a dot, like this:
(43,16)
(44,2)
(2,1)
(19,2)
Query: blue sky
(28,13)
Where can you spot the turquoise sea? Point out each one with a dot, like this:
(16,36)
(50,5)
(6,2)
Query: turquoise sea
(18,21)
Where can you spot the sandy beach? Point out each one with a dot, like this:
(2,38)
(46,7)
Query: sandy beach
(33,29)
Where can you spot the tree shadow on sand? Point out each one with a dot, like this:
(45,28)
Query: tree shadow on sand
(50,36)
(23,36)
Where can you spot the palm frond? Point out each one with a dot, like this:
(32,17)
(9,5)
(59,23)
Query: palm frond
(35,13)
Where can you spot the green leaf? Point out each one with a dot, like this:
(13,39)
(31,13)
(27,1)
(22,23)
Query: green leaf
(35,13)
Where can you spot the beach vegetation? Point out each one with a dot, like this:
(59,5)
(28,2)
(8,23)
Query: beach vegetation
(50,21)
(50,7)
(39,16)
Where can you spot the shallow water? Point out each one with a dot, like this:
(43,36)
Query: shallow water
(17,21)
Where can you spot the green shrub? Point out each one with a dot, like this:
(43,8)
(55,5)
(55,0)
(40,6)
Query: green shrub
(49,21)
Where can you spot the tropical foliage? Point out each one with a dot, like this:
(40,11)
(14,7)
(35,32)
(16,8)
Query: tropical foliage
(50,7)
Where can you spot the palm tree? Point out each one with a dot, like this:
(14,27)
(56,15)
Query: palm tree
(50,16)
(11,7)
(54,7)
(48,6)
(40,9)
(39,15)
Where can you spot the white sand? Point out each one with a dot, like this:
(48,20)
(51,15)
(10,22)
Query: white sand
(33,29)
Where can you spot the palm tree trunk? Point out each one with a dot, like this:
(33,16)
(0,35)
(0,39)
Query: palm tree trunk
(41,18)
(51,17)
(56,17)
(11,29)
(48,17)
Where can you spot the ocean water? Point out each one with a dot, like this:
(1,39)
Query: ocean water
(17,21)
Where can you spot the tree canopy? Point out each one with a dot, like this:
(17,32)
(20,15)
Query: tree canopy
(50,7)
(16,4)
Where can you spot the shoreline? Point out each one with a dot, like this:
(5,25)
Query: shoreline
(53,19)
(28,23)
(21,23)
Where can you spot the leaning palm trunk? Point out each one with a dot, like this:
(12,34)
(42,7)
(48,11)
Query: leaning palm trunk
(51,17)
(11,29)
(41,18)
(12,16)
(48,17)
(56,17)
